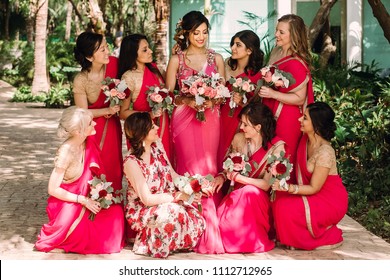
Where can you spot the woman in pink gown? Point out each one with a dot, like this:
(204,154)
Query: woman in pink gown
(292,55)
(156,210)
(307,214)
(243,214)
(136,68)
(195,143)
(69,229)
(245,62)
(92,53)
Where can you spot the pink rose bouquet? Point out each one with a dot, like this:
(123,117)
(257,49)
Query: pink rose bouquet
(115,90)
(274,77)
(203,87)
(241,86)
(158,98)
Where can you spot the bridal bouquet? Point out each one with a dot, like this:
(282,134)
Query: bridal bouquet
(204,87)
(274,77)
(115,90)
(193,184)
(102,192)
(280,168)
(158,97)
(237,162)
(241,86)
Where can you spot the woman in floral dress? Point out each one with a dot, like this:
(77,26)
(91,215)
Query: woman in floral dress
(156,210)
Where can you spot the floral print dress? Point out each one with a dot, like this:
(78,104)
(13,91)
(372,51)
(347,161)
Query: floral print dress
(166,227)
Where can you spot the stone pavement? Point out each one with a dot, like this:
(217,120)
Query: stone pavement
(27,146)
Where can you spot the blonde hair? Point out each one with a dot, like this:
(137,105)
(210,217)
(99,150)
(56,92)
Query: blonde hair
(73,119)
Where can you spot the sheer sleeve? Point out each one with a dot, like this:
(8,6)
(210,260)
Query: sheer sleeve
(326,157)
(79,84)
(63,157)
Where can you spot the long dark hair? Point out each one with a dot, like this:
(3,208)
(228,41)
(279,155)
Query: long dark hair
(252,42)
(128,55)
(322,118)
(137,127)
(258,113)
(87,44)
(191,21)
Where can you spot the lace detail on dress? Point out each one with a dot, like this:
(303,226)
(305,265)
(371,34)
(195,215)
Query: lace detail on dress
(134,80)
(82,85)
(324,156)
(70,161)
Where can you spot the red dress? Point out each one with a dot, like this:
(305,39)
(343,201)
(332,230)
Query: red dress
(244,214)
(141,104)
(231,125)
(69,227)
(287,125)
(309,222)
(109,134)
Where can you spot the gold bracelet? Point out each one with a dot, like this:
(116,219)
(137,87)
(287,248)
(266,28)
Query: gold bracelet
(296,189)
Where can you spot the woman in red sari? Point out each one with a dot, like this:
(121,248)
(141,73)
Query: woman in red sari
(292,55)
(243,214)
(245,62)
(136,68)
(92,53)
(307,214)
(69,205)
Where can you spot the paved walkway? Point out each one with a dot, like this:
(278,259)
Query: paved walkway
(27,146)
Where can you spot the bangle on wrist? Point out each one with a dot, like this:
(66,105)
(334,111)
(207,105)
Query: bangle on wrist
(223,175)
(234,176)
(296,189)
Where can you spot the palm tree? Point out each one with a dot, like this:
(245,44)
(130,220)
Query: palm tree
(41,79)
(162,11)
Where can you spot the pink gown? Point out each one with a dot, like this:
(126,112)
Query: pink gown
(231,125)
(309,222)
(287,125)
(244,214)
(109,134)
(69,227)
(166,227)
(195,145)
(141,104)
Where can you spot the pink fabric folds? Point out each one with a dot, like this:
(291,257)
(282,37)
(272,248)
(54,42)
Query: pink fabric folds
(141,104)
(231,125)
(195,145)
(288,126)
(109,135)
(309,222)
(69,227)
(244,214)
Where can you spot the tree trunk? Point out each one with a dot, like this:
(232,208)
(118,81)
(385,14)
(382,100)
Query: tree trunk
(319,20)
(40,82)
(97,23)
(7,9)
(162,12)
(328,49)
(30,21)
(68,24)
(381,14)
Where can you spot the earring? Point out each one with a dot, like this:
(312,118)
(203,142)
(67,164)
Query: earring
(143,144)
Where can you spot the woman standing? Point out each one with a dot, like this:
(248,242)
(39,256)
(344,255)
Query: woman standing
(136,68)
(243,214)
(245,62)
(292,55)
(156,210)
(92,53)
(307,214)
(69,205)
(195,143)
